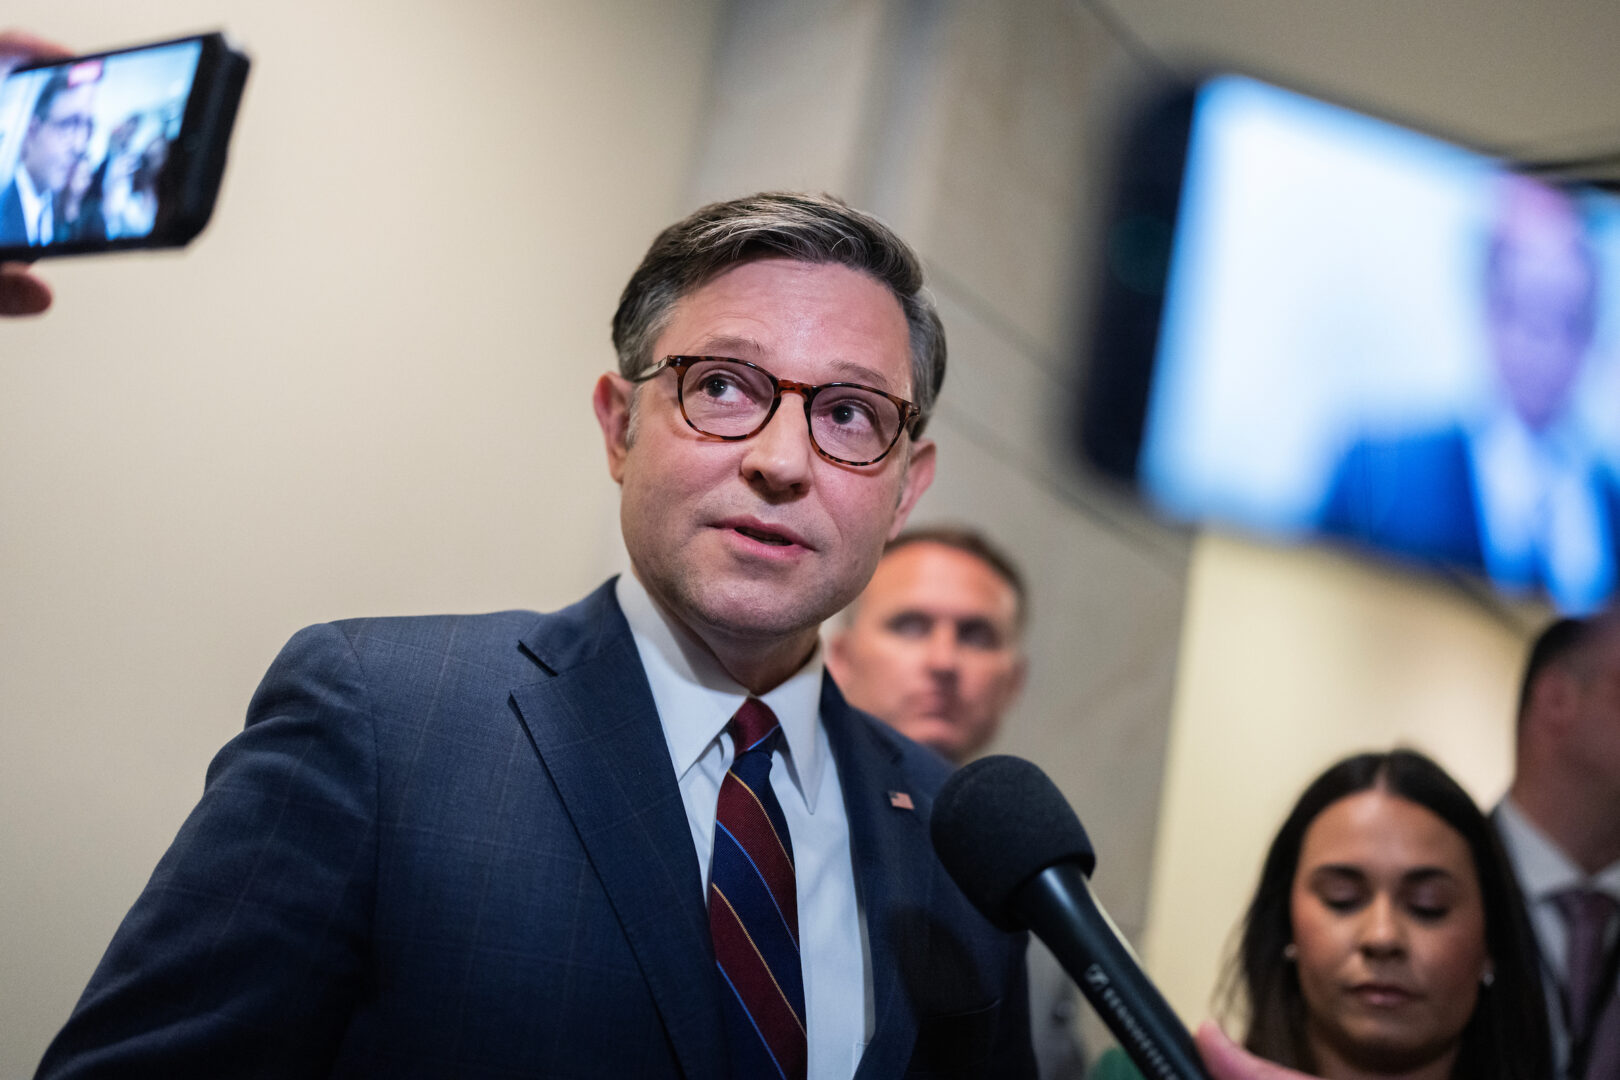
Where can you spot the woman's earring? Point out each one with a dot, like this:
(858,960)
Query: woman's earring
(1290,952)
(1488,979)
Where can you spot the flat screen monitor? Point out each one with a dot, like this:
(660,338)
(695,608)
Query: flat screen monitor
(1318,323)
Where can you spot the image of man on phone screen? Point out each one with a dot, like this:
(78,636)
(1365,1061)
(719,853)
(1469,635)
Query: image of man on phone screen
(58,134)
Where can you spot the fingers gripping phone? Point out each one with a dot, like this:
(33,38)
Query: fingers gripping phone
(115,150)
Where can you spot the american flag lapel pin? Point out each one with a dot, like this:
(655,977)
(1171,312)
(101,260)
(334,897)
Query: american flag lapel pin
(901,801)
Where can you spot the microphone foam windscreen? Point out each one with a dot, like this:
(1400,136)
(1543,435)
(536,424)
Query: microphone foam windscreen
(997,823)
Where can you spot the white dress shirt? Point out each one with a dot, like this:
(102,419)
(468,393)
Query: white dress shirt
(695,700)
(37,214)
(1544,871)
(1543,518)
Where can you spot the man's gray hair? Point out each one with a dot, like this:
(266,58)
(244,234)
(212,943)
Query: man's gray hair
(809,228)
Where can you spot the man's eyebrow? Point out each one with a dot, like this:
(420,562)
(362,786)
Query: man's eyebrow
(977,622)
(732,345)
(853,372)
(738,347)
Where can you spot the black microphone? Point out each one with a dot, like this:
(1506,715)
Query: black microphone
(1014,846)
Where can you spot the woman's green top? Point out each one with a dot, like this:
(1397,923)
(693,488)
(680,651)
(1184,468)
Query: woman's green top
(1113,1065)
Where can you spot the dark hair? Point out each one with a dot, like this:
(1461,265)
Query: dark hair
(1556,644)
(809,228)
(54,87)
(974,543)
(1506,1037)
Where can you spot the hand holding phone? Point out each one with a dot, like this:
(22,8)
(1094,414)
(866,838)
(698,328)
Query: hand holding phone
(115,150)
(22,292)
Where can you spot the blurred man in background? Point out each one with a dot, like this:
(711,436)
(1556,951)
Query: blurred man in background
(934,647)
(1560,824)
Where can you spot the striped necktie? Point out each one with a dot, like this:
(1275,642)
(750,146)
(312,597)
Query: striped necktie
(753,910)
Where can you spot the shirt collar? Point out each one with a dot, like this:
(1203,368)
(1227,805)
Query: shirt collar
(696,698)
(1544,869)
(1559,447)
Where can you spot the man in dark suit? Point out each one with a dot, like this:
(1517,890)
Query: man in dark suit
(1516,492)
(1560,825)
(479,846)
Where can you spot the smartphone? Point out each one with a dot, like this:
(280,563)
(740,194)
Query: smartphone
(116,150)
(1315,322)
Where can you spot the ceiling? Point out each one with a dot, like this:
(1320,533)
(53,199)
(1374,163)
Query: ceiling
(1531,80)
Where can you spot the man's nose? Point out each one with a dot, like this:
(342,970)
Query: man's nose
(941,645)
(779,456)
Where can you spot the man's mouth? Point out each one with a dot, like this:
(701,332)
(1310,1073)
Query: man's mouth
(764,535)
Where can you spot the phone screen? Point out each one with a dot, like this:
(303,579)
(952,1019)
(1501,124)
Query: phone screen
(1370,333)
(84,145)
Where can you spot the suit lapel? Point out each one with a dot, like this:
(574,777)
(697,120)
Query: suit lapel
(893,866)
(596,729)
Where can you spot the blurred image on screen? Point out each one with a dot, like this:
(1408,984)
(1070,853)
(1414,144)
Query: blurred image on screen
(83,145)
(1374,334)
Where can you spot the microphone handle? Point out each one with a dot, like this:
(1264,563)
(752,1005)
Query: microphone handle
(1062,911)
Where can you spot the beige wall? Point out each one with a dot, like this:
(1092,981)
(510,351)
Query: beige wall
(363,390)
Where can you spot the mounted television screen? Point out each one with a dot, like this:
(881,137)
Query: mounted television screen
(1314,322)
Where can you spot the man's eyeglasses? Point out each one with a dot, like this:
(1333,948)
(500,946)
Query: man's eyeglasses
(731,399)
(72,124)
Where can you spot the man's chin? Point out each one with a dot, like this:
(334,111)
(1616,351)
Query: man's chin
(751,610)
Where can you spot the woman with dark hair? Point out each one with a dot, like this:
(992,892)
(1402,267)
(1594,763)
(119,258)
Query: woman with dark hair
(1386,937)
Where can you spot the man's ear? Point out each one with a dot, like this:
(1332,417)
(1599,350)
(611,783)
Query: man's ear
(611,399)
(919,474)
(1553,697)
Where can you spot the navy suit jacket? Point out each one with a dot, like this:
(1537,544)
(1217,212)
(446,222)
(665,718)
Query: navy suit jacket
(1417,496)
(1414,495)
(13,223)
(455,847)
